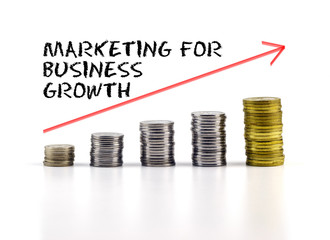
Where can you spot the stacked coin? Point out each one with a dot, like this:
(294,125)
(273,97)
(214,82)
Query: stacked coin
(157,143)
(59,155)
(263,131)
(107,148)
(209,139)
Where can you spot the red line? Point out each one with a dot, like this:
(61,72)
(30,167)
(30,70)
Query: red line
(279,49)
(271,44)
(278,54)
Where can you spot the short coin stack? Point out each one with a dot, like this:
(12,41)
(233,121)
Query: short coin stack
(209,139)
(157,143)
(263,131)
(107,148)
(59,155)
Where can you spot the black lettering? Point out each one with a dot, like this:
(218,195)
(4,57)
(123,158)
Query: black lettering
(67,89)
(161,50)
(47,91)
(83,88)
(135,70)
(126,91)
(85,50)
(95,68)
(113,48)
(48,71)
(203,49)
(57,72)
(108,69)
(209,49)
(72,67)
(48,48)
(85,63)
(217,48)
(92,91)
(139,48)
(128,47)
(184,48)
(98,48)
(70,50)
(152,49)
(109,85)
(123,70)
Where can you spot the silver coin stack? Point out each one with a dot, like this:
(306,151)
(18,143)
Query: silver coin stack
(208,139)
(59,155)
(107,148)
(157,143)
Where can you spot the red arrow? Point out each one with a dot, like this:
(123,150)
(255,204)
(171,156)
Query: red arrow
(279,49)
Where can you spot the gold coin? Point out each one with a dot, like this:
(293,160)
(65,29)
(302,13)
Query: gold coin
(270,152)
(260,121)
(60,164)
(264,127)
(263,116)
(264,143)
(249,107)
(274,158)
(262,137)
(266,111)
(264,156)
(262,99)
(262,133)
(270,146)
(263,123)
(59,155)
(254,128)
(264,163)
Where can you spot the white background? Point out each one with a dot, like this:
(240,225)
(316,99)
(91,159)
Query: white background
(182,202)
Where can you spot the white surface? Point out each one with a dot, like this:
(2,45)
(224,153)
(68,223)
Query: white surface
(289,202)
(182,202)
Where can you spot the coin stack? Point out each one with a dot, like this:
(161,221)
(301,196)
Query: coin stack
(157,143)
(209,139)
(107,148)
(263,131)
(59,155)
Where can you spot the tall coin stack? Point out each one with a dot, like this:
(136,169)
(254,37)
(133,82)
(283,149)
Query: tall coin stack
(263,131)
(157,143)
(59,155)
(107,148)
(208,139)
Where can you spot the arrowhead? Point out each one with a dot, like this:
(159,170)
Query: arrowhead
(279,49)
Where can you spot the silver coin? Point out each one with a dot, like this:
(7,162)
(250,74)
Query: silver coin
(156,122)
(208,138)
(207,114)
(107,134)
(106,149)
(157,143)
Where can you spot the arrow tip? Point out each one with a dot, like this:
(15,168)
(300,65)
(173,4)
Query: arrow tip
(279,48)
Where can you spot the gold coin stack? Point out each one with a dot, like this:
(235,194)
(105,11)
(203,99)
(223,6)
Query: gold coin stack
(59,155)
(263,131)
